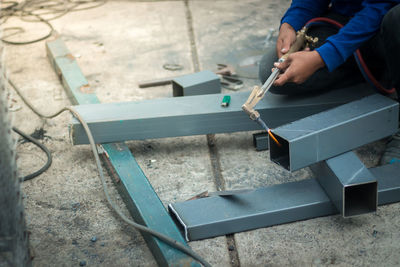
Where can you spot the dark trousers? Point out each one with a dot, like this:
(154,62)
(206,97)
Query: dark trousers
(381,53)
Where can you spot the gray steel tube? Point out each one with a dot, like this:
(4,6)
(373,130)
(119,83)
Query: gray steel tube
(195,115)
(273,205)
(352,188)
(333,132)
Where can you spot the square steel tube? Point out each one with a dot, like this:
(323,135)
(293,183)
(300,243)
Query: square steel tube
(268,206)
(199,83)
(388,177)
(196,115)
(352,188)
(278,204)
(333,132)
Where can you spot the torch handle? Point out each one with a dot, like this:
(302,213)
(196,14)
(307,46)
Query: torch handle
(300,42)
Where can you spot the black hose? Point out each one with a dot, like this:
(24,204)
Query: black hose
(42,147)
(165,238)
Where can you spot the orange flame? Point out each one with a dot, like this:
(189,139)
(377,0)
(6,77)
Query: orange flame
(273,137)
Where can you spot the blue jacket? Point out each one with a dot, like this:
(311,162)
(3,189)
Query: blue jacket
(365,22)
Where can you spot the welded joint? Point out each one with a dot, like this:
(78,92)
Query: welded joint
(175,215)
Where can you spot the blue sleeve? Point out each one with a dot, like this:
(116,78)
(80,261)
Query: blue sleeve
(301,11)
(359,29)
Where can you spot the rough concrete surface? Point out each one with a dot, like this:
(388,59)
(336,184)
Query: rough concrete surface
(119,44)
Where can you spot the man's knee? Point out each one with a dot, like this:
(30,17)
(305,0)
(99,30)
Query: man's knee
(266,64)
(288,89)
(389,21)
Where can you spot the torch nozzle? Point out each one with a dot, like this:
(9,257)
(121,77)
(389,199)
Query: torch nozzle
(264,125)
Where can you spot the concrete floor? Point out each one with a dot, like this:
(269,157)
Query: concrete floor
(117,45)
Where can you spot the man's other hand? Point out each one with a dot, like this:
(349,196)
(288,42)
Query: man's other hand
(287,36)
(298,67)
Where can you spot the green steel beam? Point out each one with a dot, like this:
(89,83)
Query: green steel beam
(142,201)
(75,84)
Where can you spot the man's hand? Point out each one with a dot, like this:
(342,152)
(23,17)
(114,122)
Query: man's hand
(298,67)
(287,36)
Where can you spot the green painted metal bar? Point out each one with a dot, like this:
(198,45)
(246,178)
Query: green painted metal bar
(142,201)
(75,84)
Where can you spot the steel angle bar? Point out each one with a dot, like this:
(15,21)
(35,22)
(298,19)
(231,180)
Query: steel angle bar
(330,133)
(139,196)
(264,207)
(352,188)
(196,115)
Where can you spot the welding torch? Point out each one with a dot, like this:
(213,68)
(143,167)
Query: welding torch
(302,41)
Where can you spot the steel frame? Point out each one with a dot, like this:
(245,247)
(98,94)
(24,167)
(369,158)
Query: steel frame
(263,207)
(330,133)
(198,115)
(138,194)
(277,204)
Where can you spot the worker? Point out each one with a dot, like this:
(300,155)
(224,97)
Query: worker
(373,26)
